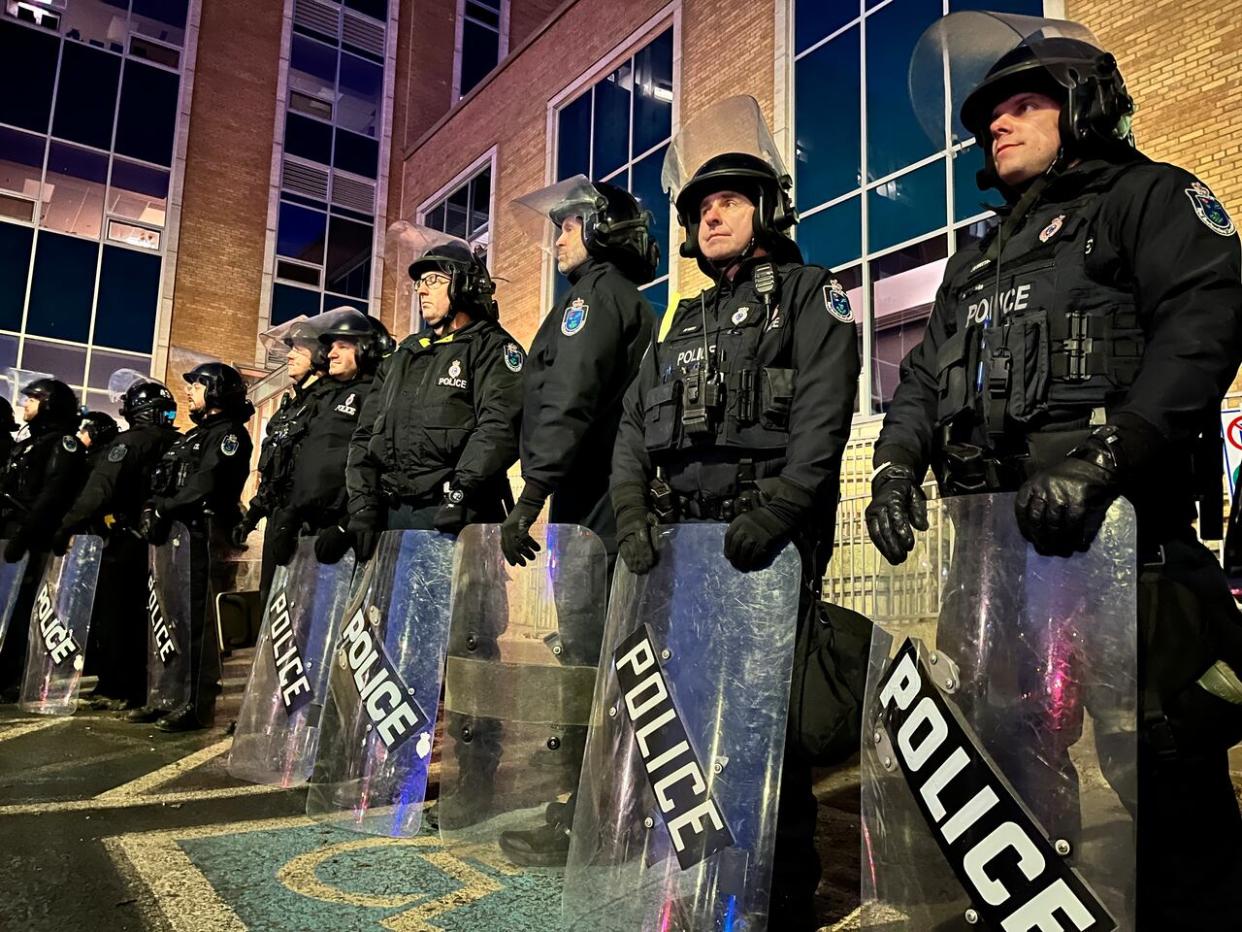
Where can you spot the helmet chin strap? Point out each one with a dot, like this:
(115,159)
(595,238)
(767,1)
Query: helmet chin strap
(723,267)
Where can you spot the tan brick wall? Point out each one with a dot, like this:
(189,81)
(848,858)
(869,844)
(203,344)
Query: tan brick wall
(1183,65)
(228,164)
(526,17)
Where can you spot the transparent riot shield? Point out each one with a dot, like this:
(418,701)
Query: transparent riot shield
(520,675)
(59,625)
(10,582)
(168,622)
(999,763)
(278,727)
(376,733)
(675,816)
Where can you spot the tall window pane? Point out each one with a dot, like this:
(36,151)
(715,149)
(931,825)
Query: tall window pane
(289,302)
(815,19)
(312,77)
(62,287)
(14,267)
(645,186)
(362,84)
(21,162)
(903,208)
(148,113)
(612,121)
(895,138)
(357,154)
(573,139)
(968,200)
(308,139)
(138,192)
(27,61)
(480,51)
(904,285)
(301,233)
(160,19)
(73,192)
(653,92)
(828,146)
(129,295)
(348,269)
(65,362)
(86,97)
(832,237)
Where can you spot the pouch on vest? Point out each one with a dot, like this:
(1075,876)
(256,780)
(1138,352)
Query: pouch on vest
(776,390)
(953,379)
(661,418)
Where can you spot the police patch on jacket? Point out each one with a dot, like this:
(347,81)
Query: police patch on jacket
(1052,229)
(453,379)
(1210,210)
(513,357)
(837,302)
(575,317)
(230,444)
(117,453)
(69,443)
(347,406)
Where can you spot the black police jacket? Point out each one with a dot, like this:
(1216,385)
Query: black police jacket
(317,496)
(285,429)
(119,484)
(204,471)
(440,410)
(1116,299)
(44,472)
(581,361)
(785,386)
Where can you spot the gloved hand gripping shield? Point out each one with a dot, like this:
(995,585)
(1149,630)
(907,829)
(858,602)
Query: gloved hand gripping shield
(519,681)
(169,604)
(1000,753)
(675,821)
(376,732)
(955,54)
(60,623)
(278,726)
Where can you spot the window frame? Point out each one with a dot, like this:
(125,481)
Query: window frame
(502,46)
(626,50)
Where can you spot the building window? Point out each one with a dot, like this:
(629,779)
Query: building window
(618,130)
(482,41)
(466,212)
(883,216)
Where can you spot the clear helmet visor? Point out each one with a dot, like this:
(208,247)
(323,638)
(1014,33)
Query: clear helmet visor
(13,382)
(955,54)
(733,125)
(276,341)
(123,380)
(541,213)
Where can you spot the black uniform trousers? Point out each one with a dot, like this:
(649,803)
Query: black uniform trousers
(118,620)
(210,574)
(13,652)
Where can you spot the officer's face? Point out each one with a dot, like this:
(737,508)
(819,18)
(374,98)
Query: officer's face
(30,407)
(196,396)
(433,298)
(343,360)
(299,361)
(726,225)
(1026,137)
(571,252)
(84,438)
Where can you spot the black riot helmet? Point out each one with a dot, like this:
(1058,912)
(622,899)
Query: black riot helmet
(615,229)
(148,403)
(360,330)
(57,402)
(99,426)
(1095,106)
(226,390)
(470,285)
(305,333)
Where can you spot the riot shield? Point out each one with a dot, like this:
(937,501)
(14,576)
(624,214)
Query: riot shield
(999,768)
(519,679)
(168,621)
(10,583)
(376,733)
(675,817)
(59,625)
(278,726)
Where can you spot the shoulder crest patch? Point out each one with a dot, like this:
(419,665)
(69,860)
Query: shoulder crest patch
(117,452)
(1210,210)
(575,317)
(513,357)
(69,443)
(230,444)
(837,302)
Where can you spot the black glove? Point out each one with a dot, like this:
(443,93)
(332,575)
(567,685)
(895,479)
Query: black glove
(332,543)
(898,508)
(629,501)
(755,537)
(1060,509)
(450,517)
(284,531)
(16,547)
(153,526)
(60,541)
(365,541)
(515,539)
(244,528)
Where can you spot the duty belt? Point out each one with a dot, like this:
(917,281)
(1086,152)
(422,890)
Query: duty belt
(713,508)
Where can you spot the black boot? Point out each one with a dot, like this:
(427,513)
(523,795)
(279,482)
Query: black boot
(144,714)
(184,719)
(546,846)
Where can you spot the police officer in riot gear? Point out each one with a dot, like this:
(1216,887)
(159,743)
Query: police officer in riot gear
(1077,354)
(198,482)
(110,505)
(44,473)
(306,364)
(740,414)
(353,345)
(440,425)
(582,360)
(96,430)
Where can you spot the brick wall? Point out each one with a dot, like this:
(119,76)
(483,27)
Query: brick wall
(526,17)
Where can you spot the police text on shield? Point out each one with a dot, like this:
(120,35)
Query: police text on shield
(57,640)
(295,689)
(389,702)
